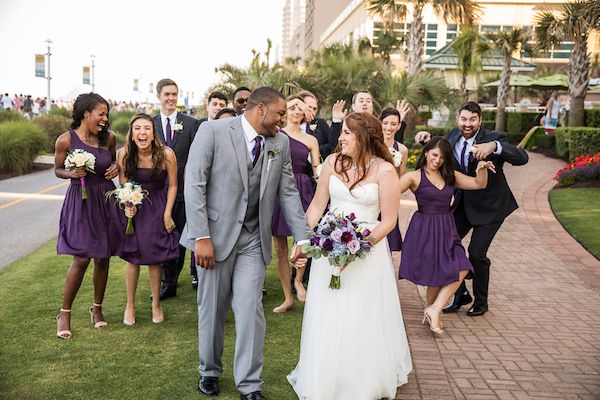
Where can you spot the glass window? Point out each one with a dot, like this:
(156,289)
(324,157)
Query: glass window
(432,27)
(429,51)
(507,27)
(431,35)
(566,46)
(451,36)
(561,55)
(452,27)
(490,28)
(431,43)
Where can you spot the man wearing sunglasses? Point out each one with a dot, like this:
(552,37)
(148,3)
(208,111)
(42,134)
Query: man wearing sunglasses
(240,99)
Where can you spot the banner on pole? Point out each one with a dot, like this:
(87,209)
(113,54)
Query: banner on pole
(40,65)
(136,84)
(86,75)
(151,88)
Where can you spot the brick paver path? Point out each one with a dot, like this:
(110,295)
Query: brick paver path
(541,336)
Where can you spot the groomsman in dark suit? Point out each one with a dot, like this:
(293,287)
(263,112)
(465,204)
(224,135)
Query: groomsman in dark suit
(176,130)
(215,103)
(318,126)
(484,210)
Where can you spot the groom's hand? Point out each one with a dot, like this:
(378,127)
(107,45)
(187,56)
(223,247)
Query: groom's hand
(298,258)
(205,253)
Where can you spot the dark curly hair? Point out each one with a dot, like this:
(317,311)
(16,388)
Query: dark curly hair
(447,168)
(86,103)
(131,150)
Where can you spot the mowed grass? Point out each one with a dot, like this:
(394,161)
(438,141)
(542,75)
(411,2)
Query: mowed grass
(144,361)
(578,210)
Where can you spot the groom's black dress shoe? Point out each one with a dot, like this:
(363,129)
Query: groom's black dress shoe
(458,302)
(253,396)
(167,291)
(209,386)
(477,310)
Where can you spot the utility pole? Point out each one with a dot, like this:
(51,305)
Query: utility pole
(49,77)
(93,81)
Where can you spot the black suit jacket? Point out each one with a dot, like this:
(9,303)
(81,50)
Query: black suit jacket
(181,145)
(496,201)
(321,132)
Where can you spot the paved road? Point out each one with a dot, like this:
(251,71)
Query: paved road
(29,212)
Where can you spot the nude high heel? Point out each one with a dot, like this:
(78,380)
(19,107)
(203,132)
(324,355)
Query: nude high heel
(64,334)
(435,329)
(99,324)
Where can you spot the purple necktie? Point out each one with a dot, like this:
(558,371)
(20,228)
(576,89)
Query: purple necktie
(463,167)
(256,149)
(168,134)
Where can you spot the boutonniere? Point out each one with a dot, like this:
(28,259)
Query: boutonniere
(178,126)
(313,127)
(271,155)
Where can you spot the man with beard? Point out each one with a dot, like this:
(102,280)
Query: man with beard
(484,210)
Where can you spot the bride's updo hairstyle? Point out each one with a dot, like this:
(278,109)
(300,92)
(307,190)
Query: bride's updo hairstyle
(369,144)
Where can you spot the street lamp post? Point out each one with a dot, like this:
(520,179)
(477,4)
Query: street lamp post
(93,81)
(49,77)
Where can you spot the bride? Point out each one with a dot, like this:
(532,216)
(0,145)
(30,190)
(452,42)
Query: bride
(354,343)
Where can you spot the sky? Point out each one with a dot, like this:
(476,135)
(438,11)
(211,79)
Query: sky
(149,40)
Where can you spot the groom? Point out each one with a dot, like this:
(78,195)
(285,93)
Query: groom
(236,168)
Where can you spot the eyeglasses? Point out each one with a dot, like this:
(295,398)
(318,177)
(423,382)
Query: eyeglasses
(241,100)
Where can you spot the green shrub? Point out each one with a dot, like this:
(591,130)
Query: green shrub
(592,118)
(520,122)
(514,138)
(53,126)
(488,124)
(20,143)
(545,141)
(488,115)
(116,115)
(10,115)
(573,141)
(120,138)
(425,115)
(409,140)
(62,112)
(120,125)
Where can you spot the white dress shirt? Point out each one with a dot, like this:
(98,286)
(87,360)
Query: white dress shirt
(458,146)
(250,134)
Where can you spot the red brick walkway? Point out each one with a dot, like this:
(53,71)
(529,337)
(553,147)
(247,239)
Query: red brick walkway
(541,336)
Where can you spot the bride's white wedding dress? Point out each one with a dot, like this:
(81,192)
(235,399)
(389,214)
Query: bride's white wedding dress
(354,344)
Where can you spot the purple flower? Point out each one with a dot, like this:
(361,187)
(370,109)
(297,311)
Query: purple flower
(336,234)
(354,246)
(352,217)
(328,245)
(314,241)
(346,237)
(366,233)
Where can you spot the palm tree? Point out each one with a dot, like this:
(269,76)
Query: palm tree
(459,11)
(390,12)
(469,47)
(507,43)
(573,23)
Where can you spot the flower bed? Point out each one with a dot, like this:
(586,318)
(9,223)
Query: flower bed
(585,167)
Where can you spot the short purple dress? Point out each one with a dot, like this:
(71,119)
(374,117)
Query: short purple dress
(395,237)
(150,243)
(88,228)
(432,254)
(300,165)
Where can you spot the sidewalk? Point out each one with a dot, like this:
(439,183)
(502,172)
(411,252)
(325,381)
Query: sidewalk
(539,339)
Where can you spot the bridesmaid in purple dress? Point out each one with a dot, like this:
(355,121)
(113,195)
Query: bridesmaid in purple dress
(432,254)
(302,145)
(154,241)
(85,225)
(390,123)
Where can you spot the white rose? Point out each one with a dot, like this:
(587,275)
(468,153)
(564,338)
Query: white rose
(124,195)
(79,160)
(178,127)
(137,197)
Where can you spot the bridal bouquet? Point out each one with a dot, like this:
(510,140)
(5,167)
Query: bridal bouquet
(79,158)
(341,239)
(127,195)
(396,156)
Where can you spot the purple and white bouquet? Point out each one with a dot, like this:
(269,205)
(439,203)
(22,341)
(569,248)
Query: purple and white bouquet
(341,239)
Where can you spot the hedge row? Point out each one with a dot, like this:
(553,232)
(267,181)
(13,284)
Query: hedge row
(571,142)
(20,143)
(53,126)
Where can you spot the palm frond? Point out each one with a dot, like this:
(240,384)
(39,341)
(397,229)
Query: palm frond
(464,12)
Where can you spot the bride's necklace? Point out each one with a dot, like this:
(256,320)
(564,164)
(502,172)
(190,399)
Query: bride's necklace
(354,167)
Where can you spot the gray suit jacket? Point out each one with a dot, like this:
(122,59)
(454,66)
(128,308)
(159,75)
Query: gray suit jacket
(216,186)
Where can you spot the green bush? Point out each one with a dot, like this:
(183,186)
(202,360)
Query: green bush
(62,112)
(573,141)
(20,143)
(545,141)
(120,138)
(488,124)
(488,115)
(592,118)
(514,138)
(520,122)
(409,140)
(53,126)
(120,125)
(10,115)
(425,115)
(116,115)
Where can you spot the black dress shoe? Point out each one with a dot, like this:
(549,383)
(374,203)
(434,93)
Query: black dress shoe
(253,396)
(167,291)
(458,302)
(209,386)
(194,283)
(477,310)
(264,291)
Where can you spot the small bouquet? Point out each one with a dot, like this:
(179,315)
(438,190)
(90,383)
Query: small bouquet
(341,239)
(79,158)
(127,195)
(396,156)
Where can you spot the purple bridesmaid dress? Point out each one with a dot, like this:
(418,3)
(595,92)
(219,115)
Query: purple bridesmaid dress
(150,243)
(395,237)
(432,254)
(88,228)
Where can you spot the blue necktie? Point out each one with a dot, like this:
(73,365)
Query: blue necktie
(168,134)
(256,149)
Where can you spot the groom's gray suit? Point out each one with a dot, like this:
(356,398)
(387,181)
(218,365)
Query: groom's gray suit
(232,202)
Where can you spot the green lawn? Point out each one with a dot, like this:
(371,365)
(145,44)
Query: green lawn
(579,212)
(145,361)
